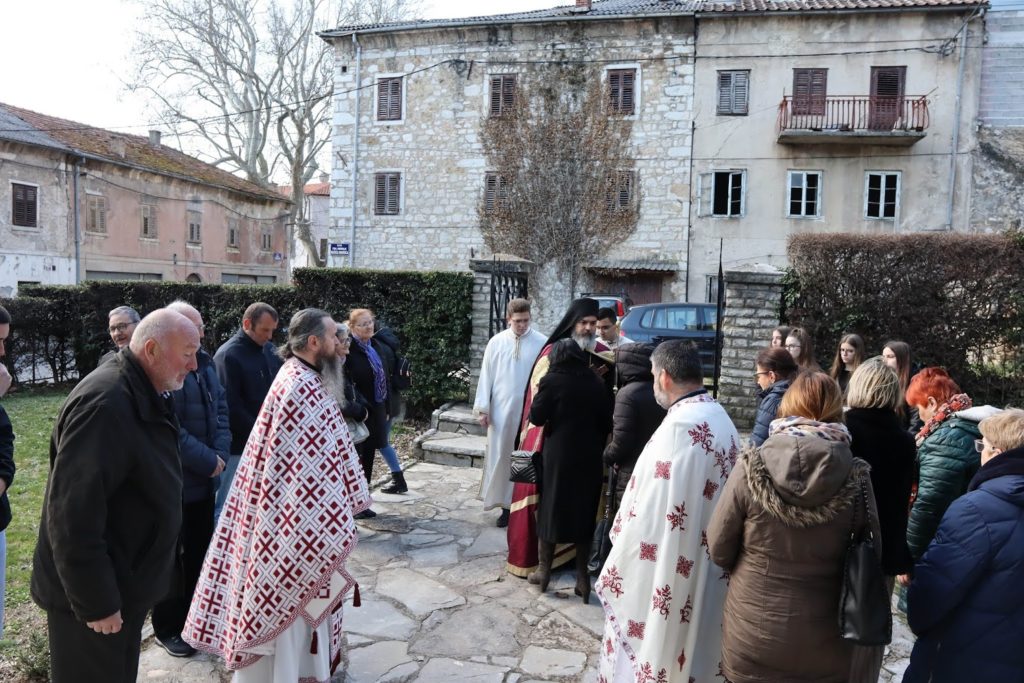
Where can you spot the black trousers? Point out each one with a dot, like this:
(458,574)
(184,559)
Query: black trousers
(367,450)
(78,654)
(196,531)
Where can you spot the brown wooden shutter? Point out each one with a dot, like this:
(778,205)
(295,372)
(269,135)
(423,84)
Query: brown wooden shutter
(380,202)
(810,88)
(393,192)
(490,191)
(496,94)
(621,91)
(24,209)
(389,99)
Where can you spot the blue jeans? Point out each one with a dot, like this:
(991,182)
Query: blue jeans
(389,453)
(225,484)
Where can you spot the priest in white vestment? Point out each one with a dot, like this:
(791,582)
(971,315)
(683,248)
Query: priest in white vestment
(269,599)
(663,597)
(508,359)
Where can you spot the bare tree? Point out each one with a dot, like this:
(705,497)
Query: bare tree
(248,83)
(563,189)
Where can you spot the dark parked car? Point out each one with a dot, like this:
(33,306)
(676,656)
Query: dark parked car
(658,322)
(620,303)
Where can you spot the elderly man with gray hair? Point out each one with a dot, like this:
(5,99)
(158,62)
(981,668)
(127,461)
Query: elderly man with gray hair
(269,598)
(112,507)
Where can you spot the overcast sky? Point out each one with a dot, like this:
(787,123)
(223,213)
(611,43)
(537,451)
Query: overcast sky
(70,58)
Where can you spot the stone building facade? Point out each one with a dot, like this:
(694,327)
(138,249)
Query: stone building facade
(888,164)
(446,73)
(140,210)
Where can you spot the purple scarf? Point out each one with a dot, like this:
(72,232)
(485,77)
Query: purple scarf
(380,381)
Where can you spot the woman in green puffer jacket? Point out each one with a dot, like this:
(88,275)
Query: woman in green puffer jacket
(946,456)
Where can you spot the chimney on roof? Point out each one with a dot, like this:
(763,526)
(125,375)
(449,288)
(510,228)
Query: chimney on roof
(118,147)
(583,4)
(325,177)
(154,138)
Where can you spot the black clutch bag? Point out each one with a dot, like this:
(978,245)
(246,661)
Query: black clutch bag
(523,468)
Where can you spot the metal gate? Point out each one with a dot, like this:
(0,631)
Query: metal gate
(507,283)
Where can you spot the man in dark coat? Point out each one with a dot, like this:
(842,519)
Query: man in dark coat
(637,413)
(6,458)
(246,366)
(204,441)
(112,508)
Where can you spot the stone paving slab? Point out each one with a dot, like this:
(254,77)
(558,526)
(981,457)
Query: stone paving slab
(438,606)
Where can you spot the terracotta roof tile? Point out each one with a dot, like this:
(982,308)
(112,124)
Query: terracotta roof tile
(652,8)
(122,148)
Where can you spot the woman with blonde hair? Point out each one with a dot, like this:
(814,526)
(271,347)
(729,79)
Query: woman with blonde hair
(801,347)
(849,355)
(873,396)
(781,530)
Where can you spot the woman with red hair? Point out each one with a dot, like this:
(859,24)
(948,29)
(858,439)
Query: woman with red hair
(946,457)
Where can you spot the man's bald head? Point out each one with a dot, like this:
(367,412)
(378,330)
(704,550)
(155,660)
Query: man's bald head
(190,312)
(165,344)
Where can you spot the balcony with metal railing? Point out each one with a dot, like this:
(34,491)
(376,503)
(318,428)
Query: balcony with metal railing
(852,120)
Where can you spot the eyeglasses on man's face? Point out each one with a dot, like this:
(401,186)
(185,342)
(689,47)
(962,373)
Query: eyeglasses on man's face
(119,327)
(345,341)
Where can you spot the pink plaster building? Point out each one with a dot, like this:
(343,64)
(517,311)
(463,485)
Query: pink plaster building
(83,203)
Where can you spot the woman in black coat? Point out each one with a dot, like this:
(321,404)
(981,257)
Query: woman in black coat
(573,408)
(366,371)
(874,395)
(637,413)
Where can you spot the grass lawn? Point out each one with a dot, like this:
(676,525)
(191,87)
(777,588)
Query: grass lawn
(32,413)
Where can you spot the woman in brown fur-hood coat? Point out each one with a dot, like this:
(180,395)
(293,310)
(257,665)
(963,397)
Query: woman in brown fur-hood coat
(781,529)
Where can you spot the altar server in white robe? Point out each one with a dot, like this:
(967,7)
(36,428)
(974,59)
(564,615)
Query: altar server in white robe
(663,597)
(499,400)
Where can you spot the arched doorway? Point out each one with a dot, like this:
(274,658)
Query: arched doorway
(193,277)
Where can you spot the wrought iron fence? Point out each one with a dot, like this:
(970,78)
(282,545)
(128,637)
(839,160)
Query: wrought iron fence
(507,283)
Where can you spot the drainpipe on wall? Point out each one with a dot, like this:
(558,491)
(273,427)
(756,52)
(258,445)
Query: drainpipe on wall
(956,127)
(355,155)
(78,221)
(689,209)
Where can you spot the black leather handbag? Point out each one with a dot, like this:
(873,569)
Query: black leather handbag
(524,467)
(601,546)
(865,615)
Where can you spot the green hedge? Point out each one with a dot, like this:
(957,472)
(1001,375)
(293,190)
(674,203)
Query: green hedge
(64,327)
(957,299)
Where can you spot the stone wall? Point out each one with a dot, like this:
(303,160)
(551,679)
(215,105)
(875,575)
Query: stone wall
(436,145)
(998,172)
(752,300)
(481,314)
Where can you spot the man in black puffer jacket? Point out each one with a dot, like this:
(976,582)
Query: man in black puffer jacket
(637,413)
(204,441)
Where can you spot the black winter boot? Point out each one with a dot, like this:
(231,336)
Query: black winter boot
(398,484)
(542,576)
(582,572)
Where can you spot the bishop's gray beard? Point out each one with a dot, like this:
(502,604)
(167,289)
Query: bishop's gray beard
(587,342)
(332,372)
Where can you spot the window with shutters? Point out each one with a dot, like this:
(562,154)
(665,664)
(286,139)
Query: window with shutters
(495,192)
(195,226)
(233,233)
(148,221)
(266,239)
(386,193)
(95,213)
(887,83)
(622,91)
(620,191)
(389,99)
(804,194)
(24,205)
(881,194)
(722,194)
(733,92)
(810,87)
(503,93)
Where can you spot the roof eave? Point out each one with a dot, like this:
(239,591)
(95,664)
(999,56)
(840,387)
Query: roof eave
(850,10)
(341,33)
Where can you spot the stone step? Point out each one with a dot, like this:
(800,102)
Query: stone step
(457,418)
(449,448)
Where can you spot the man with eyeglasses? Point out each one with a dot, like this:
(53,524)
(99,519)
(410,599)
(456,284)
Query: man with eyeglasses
(121,324)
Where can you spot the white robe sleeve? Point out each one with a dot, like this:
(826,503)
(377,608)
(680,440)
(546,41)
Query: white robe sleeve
(482,403)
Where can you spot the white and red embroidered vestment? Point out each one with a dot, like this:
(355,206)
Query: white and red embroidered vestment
(278,553)
(662,595)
